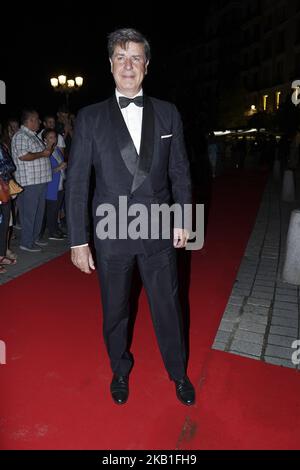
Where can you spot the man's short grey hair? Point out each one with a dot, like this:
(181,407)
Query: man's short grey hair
(27,114)
(121,37)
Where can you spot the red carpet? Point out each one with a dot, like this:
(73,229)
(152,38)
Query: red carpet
(55,385)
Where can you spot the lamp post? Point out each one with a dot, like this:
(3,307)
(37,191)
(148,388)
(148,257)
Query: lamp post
(64,85)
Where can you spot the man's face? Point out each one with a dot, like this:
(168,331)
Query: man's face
(62,117)
(33,122)
(129,66)
(49,123)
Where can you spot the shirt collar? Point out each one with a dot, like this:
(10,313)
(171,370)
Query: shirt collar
(29,131)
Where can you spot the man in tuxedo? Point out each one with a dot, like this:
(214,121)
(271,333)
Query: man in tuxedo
(135,144)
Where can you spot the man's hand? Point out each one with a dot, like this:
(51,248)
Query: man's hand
(180,237)
(81,257)
(47,152)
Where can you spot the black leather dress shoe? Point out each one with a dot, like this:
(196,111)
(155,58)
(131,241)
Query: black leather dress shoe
(119,389)
(185,391)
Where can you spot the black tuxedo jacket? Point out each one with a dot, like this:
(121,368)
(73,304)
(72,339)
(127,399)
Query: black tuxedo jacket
(160,174)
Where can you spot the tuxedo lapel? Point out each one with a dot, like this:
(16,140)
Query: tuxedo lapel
(143,166)
(124,140)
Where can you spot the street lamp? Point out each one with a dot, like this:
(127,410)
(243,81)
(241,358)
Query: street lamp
(66,85)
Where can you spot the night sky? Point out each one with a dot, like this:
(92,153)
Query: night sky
(53,41)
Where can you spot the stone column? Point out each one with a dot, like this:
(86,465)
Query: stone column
(291,268)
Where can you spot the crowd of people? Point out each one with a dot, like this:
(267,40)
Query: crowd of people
(258,150)
(33,154)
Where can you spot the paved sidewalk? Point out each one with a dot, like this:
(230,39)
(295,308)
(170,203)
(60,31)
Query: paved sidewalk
(261,320)
(27,261)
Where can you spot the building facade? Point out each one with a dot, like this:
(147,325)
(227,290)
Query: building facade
(271,52)
(251,55)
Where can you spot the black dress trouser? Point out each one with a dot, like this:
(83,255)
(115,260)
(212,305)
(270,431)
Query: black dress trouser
(159,276)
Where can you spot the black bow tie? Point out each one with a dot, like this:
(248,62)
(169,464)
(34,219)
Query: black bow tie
(124,101)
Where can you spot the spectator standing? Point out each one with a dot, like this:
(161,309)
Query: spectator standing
(31,158)
(6,170)
(65,128)
(11,127)
(55,188)
(213,154)
(49,122)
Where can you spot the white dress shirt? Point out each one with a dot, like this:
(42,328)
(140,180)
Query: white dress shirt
(133,117)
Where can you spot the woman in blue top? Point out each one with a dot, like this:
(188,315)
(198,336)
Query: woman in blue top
(55,189)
